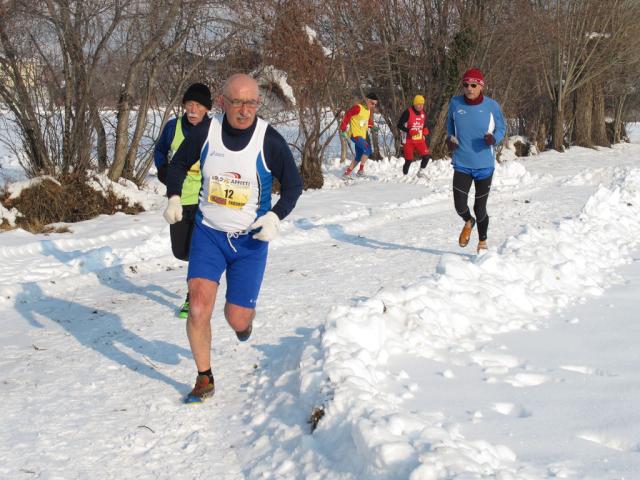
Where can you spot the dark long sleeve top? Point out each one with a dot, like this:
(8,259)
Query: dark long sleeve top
(278,158)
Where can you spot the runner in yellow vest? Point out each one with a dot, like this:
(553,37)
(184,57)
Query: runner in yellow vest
(197,103)
(358,120)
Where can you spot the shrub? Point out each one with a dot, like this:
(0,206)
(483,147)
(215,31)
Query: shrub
(71,201)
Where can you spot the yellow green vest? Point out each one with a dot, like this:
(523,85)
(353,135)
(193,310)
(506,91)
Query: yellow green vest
(359,124)
(193,181)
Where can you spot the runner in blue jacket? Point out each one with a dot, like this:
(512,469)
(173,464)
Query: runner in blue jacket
(475,124)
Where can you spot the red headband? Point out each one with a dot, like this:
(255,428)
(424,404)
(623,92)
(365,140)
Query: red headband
(473,75)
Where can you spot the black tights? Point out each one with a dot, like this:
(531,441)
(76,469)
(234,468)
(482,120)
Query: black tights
(461,186)
(423,164)
(181,232)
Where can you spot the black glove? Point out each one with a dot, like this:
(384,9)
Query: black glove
(489,139)
(451,145)
(162,172)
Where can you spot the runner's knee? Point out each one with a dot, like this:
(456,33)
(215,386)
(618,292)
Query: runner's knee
(238,316)
(480,209)
(202,295)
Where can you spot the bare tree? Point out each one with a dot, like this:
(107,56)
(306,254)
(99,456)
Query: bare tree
(569,37)
(64,57)
(556,66)
(20,76)
(151,38)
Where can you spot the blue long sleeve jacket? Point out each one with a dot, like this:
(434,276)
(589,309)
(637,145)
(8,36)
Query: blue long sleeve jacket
(161,151)
(469,124)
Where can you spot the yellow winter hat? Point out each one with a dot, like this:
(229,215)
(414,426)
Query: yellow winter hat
(418,100)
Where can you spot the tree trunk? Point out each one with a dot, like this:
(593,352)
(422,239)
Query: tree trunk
(439,134)
(599,123)
(141,118)
(583,110)
(101,135)
(18,99)
(120,154)
(617,120)
(542,135)
(311,171)
(375,143)
(343,149)
(122,134)
(558,126)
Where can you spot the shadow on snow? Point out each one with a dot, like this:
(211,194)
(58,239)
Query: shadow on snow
(101,331)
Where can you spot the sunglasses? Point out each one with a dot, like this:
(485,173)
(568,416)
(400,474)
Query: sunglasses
(237,103)
(467,85)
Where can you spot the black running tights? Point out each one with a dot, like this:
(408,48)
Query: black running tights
(423,164)
(461,186)
(181,233)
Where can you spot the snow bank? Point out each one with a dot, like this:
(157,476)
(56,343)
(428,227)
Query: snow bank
(16,188)
(127,190)
(9,215)
(513,287)
(507,174)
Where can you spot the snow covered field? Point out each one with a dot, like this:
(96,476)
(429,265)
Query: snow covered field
(428,361)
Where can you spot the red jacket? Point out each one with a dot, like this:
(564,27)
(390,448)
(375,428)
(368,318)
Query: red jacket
(414,124)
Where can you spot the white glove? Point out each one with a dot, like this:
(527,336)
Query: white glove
(173,213)
(270,224)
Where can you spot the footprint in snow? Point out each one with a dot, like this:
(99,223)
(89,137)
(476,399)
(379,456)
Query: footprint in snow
(526,379)
(511,409)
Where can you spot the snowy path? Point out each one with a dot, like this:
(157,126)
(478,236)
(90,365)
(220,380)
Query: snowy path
(95,362)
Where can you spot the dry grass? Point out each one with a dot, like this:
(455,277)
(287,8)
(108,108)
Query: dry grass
(71,201)
(522,149)
(315,417)
(4,226)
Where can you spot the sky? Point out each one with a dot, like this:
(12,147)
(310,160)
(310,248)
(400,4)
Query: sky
(426,360)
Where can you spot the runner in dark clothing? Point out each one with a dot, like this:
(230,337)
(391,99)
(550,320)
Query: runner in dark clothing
(197,103)
(413,124)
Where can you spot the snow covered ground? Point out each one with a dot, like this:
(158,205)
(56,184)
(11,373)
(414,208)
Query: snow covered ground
(427,361)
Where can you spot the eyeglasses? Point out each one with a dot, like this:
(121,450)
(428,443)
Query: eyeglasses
(467,85)
(237,103)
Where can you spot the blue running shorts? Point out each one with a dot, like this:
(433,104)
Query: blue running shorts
(362,147)
(476,173)
(243,258)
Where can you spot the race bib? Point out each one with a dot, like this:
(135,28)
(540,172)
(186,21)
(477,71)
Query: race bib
(229,192)
(416,136)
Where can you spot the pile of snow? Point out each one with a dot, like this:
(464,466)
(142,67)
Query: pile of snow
(278,77)
(369,430)
(127,190)
(9,215)
(507,174)
(16,188)
(149,197)
(515,287)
